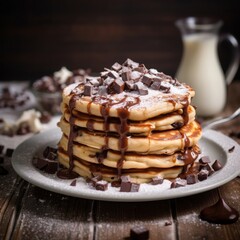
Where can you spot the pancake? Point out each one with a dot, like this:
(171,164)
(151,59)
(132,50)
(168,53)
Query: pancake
(164,142)
(130,120)
(86,169)
(133,159)
(160,123)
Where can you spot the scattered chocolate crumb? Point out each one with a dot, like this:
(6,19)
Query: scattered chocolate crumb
(139,233)
(9,152)
(168,223)
(73,183)
(216,165)
(3,171)
(231,149)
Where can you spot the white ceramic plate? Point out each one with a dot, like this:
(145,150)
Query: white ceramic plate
(213,144)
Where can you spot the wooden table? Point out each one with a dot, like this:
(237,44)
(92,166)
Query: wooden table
(29,212)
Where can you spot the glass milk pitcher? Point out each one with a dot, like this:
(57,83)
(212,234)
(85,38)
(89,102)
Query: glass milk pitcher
(200,67)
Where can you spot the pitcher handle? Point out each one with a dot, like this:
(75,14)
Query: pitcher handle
(234,64)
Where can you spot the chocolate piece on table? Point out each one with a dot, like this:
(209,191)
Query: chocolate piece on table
(216,165)
(73,183)
(3,171)
(1,149)
(101,185)
(139,233)
(203,175)
(204,160)
(192,178)
(157,180)
(1,158)
(88,90)
(9,152)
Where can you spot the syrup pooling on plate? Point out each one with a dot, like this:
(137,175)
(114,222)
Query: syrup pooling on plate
(129,120)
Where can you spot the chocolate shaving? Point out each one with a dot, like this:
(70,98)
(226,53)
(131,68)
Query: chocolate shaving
(231,149)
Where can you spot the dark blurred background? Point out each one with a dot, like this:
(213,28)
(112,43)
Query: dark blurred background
(39,37)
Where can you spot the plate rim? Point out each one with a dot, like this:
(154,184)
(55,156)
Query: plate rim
(21,165)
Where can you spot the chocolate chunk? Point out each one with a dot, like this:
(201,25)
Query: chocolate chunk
(177,125)
(51,167)
(95,81)
(1,149)
(153,71)
(131,63)
(1,158)
(87,90)
(135,75)
(142,90)
(165,89)
(1,120)
(117,86)
(206,167)
(216,165)
(179,182)
(3,171)
(156,85)
(231,149)
(73,183)
(102,90)
(9,152)
(127,185)
(101,185)
(157,180)
(192,178)
(139,233)
(141,68)
(203,175)
(130,85)
(48,151)
(116,66)
(204,160)
(39,163)
(113,74)
(147,79)
(96,179)
(126,75)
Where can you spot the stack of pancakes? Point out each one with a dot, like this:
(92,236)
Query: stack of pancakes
(131,121)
